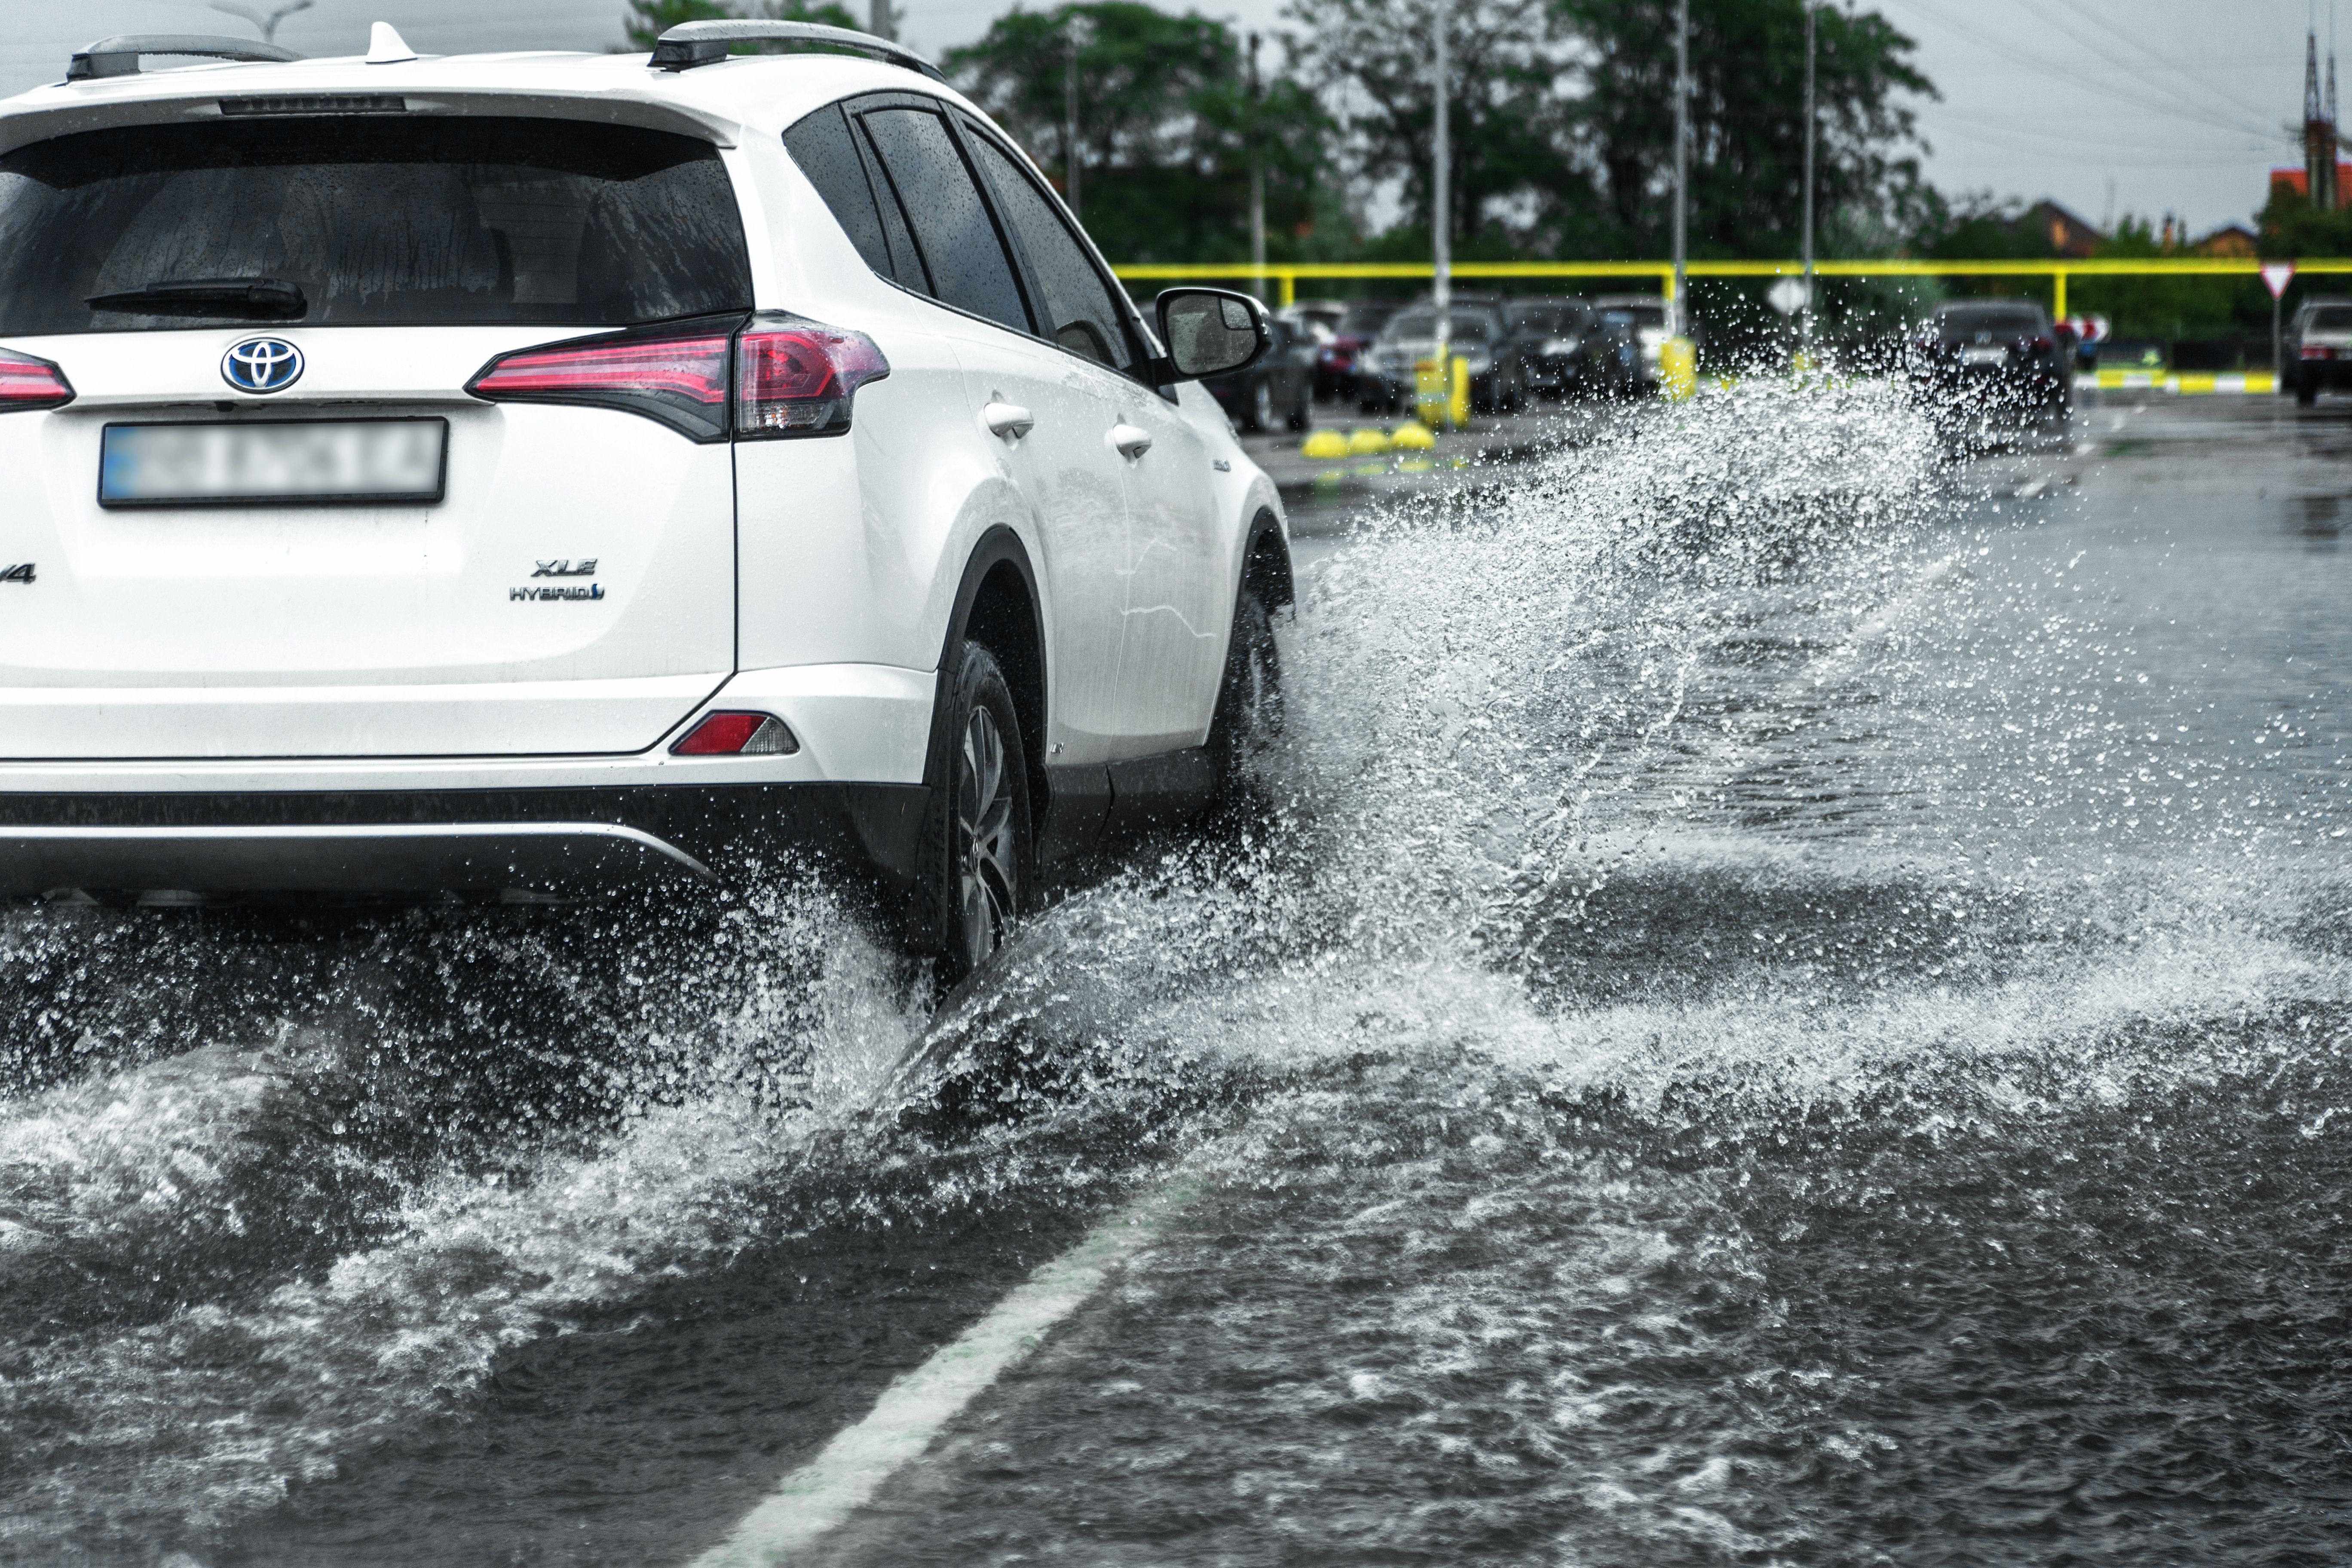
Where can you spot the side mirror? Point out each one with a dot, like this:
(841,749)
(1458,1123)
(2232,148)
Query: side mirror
(1209,332)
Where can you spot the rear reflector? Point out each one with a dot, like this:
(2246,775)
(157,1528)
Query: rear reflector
(797,377)
(29,382)
(737,735)
(680,382)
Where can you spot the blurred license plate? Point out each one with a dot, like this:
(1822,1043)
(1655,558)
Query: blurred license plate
(290,461)
(1984,356)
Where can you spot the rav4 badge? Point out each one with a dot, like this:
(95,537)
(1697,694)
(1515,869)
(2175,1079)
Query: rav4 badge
(20,573)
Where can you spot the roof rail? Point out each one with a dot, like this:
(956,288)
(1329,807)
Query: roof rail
(692,44)
(119,56)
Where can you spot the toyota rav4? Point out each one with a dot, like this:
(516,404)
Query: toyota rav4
(513,474)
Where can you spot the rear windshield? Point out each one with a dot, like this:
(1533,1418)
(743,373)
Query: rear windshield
(2330,319)
(376,221)
(1644,315)
(2000,321)
(1547,317)
(1363,320)
(1463,328)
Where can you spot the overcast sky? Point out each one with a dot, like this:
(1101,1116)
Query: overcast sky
(2179,105)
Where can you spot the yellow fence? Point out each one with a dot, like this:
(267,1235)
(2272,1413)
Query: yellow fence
(1283,276)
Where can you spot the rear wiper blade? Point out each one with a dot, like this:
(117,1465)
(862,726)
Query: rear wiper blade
(266,297)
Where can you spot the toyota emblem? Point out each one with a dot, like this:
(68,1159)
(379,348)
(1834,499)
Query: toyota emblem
(262,364)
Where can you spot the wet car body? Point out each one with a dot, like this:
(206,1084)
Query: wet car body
(2317,355)
(1279,389)
(1996,358)
(492,475)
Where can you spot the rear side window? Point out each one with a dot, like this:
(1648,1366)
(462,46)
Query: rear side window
(2330,319)
(377,221)
(1082,315)
(960,249)
(819,145)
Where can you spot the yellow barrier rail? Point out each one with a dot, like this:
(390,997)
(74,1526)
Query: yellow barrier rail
(1284,276)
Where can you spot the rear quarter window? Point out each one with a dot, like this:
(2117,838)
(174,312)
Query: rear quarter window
(377,220)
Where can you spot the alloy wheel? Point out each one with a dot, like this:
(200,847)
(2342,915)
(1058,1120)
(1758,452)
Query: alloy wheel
(987,851)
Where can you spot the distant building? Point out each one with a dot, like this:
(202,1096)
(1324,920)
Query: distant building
(2230,240)
(2069,235)
(2298,180)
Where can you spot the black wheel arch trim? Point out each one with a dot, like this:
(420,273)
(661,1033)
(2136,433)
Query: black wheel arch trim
(1265,537)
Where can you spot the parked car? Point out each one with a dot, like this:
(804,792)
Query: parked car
(1647,315)
(1991,357)
(2316,355)
(1279,388)
(531,472)
(1318,319)
(1478,334)
(1337,362)
(1571,349)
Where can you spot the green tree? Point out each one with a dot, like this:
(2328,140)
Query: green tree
(1748,66)
(1512,159)
(1164,121)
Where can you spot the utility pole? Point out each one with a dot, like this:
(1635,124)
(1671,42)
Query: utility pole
(1441,207)
(1805,321)
(1257,173)
(1679,310)
(880,20)
(1073,156)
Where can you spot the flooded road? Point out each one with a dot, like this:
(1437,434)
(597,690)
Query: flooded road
(1788,1003)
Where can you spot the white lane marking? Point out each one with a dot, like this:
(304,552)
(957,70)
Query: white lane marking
(816,1498)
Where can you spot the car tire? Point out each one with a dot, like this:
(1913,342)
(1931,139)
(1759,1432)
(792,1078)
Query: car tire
(976,847)
(1261,407)
(1249,698)
(1304,414)
(2306,392)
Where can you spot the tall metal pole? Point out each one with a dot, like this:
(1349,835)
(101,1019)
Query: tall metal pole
(1441,207)
(1678,311)
(879,21)
(1805,321)
(1073,157)
(1257,173)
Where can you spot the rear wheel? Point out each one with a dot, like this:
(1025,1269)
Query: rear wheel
(2306,392)
(976,838)
(1249,699)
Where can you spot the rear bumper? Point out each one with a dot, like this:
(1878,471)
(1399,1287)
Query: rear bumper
(462,841)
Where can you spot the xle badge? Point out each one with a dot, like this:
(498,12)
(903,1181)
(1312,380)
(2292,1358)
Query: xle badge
(22,574)
(582,568)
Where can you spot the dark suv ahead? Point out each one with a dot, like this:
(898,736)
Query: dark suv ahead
(1991,357)
(1572,350)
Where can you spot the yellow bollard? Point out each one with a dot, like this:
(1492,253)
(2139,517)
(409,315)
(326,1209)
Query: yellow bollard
(1323,444)
(1457,410)
(1678,369)
(1414,436)
(1368,441)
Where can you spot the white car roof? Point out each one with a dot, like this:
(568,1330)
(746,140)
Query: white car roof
(725,102)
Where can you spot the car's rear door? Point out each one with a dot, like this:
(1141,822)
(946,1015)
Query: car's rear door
(272,528)
(1060,454)
(1172,611)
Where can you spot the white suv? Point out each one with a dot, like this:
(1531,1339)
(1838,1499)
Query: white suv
(523,472)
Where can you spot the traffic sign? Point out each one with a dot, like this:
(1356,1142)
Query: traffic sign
(1787,296)
(2275,275)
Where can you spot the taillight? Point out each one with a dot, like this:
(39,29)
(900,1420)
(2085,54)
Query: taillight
(797,377)
(29,382)
(2308,350)
(737,735)
(679,381)
(2041,345)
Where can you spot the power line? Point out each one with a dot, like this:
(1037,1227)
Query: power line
(2198,82)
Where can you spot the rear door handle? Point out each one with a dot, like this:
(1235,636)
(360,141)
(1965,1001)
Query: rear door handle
(1008,420)
(1131,440)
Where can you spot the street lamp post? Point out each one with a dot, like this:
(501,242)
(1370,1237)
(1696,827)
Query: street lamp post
(1256,174)
(1441,206)
(1805,321)
(1679,310)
